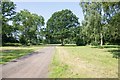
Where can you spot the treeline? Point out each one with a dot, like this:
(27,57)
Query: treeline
(20,27)
(101,25)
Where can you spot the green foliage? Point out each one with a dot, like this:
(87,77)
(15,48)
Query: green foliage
(111,17)
(23,27)
(61,25)
(28,25)
(101,24)
(94,43)
(80,42)
(92,23)
(115,29)
(0,20)
(8,12)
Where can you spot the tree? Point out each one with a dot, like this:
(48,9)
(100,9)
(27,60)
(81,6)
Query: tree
(28,26)
(93,28)
(0,24)
(61,25)
(8,12)
(111,19)
(114,29)
(101,22)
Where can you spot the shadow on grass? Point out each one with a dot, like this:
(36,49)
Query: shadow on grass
(8,55)
(116,52)
(107,46)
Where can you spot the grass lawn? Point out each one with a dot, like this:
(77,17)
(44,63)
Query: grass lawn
(9,53)
(84,62)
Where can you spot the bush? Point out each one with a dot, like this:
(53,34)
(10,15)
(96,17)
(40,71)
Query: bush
(28,44)
(80,42)
(94,43)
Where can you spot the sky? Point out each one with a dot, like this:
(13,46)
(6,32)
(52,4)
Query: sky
(46,9)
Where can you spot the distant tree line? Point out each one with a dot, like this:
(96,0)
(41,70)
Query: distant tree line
(101,25)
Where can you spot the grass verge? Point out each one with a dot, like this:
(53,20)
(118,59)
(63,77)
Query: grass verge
(9,53)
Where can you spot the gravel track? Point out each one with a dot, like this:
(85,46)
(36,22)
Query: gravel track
(30,66)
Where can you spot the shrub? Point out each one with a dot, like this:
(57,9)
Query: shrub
(80,42)
(94,43)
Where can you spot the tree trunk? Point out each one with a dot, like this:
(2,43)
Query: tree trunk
(101,36)
(95,40)
(62,41)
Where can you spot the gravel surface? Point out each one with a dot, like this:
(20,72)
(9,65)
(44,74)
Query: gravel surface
(30,66)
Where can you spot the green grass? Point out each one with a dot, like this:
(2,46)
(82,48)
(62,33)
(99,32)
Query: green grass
(59,68)
(94,55)
(84,62)
(114,49)
(9,53)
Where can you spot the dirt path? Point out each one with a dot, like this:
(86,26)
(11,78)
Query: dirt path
(34,66)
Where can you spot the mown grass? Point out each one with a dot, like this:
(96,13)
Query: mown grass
(94,55)
(9,53)
(84,62)
(58,68)
(114,49)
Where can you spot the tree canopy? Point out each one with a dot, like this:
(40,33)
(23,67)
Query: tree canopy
(61,25)
(23,26)
(28,25)
(101,24)
(8,12)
